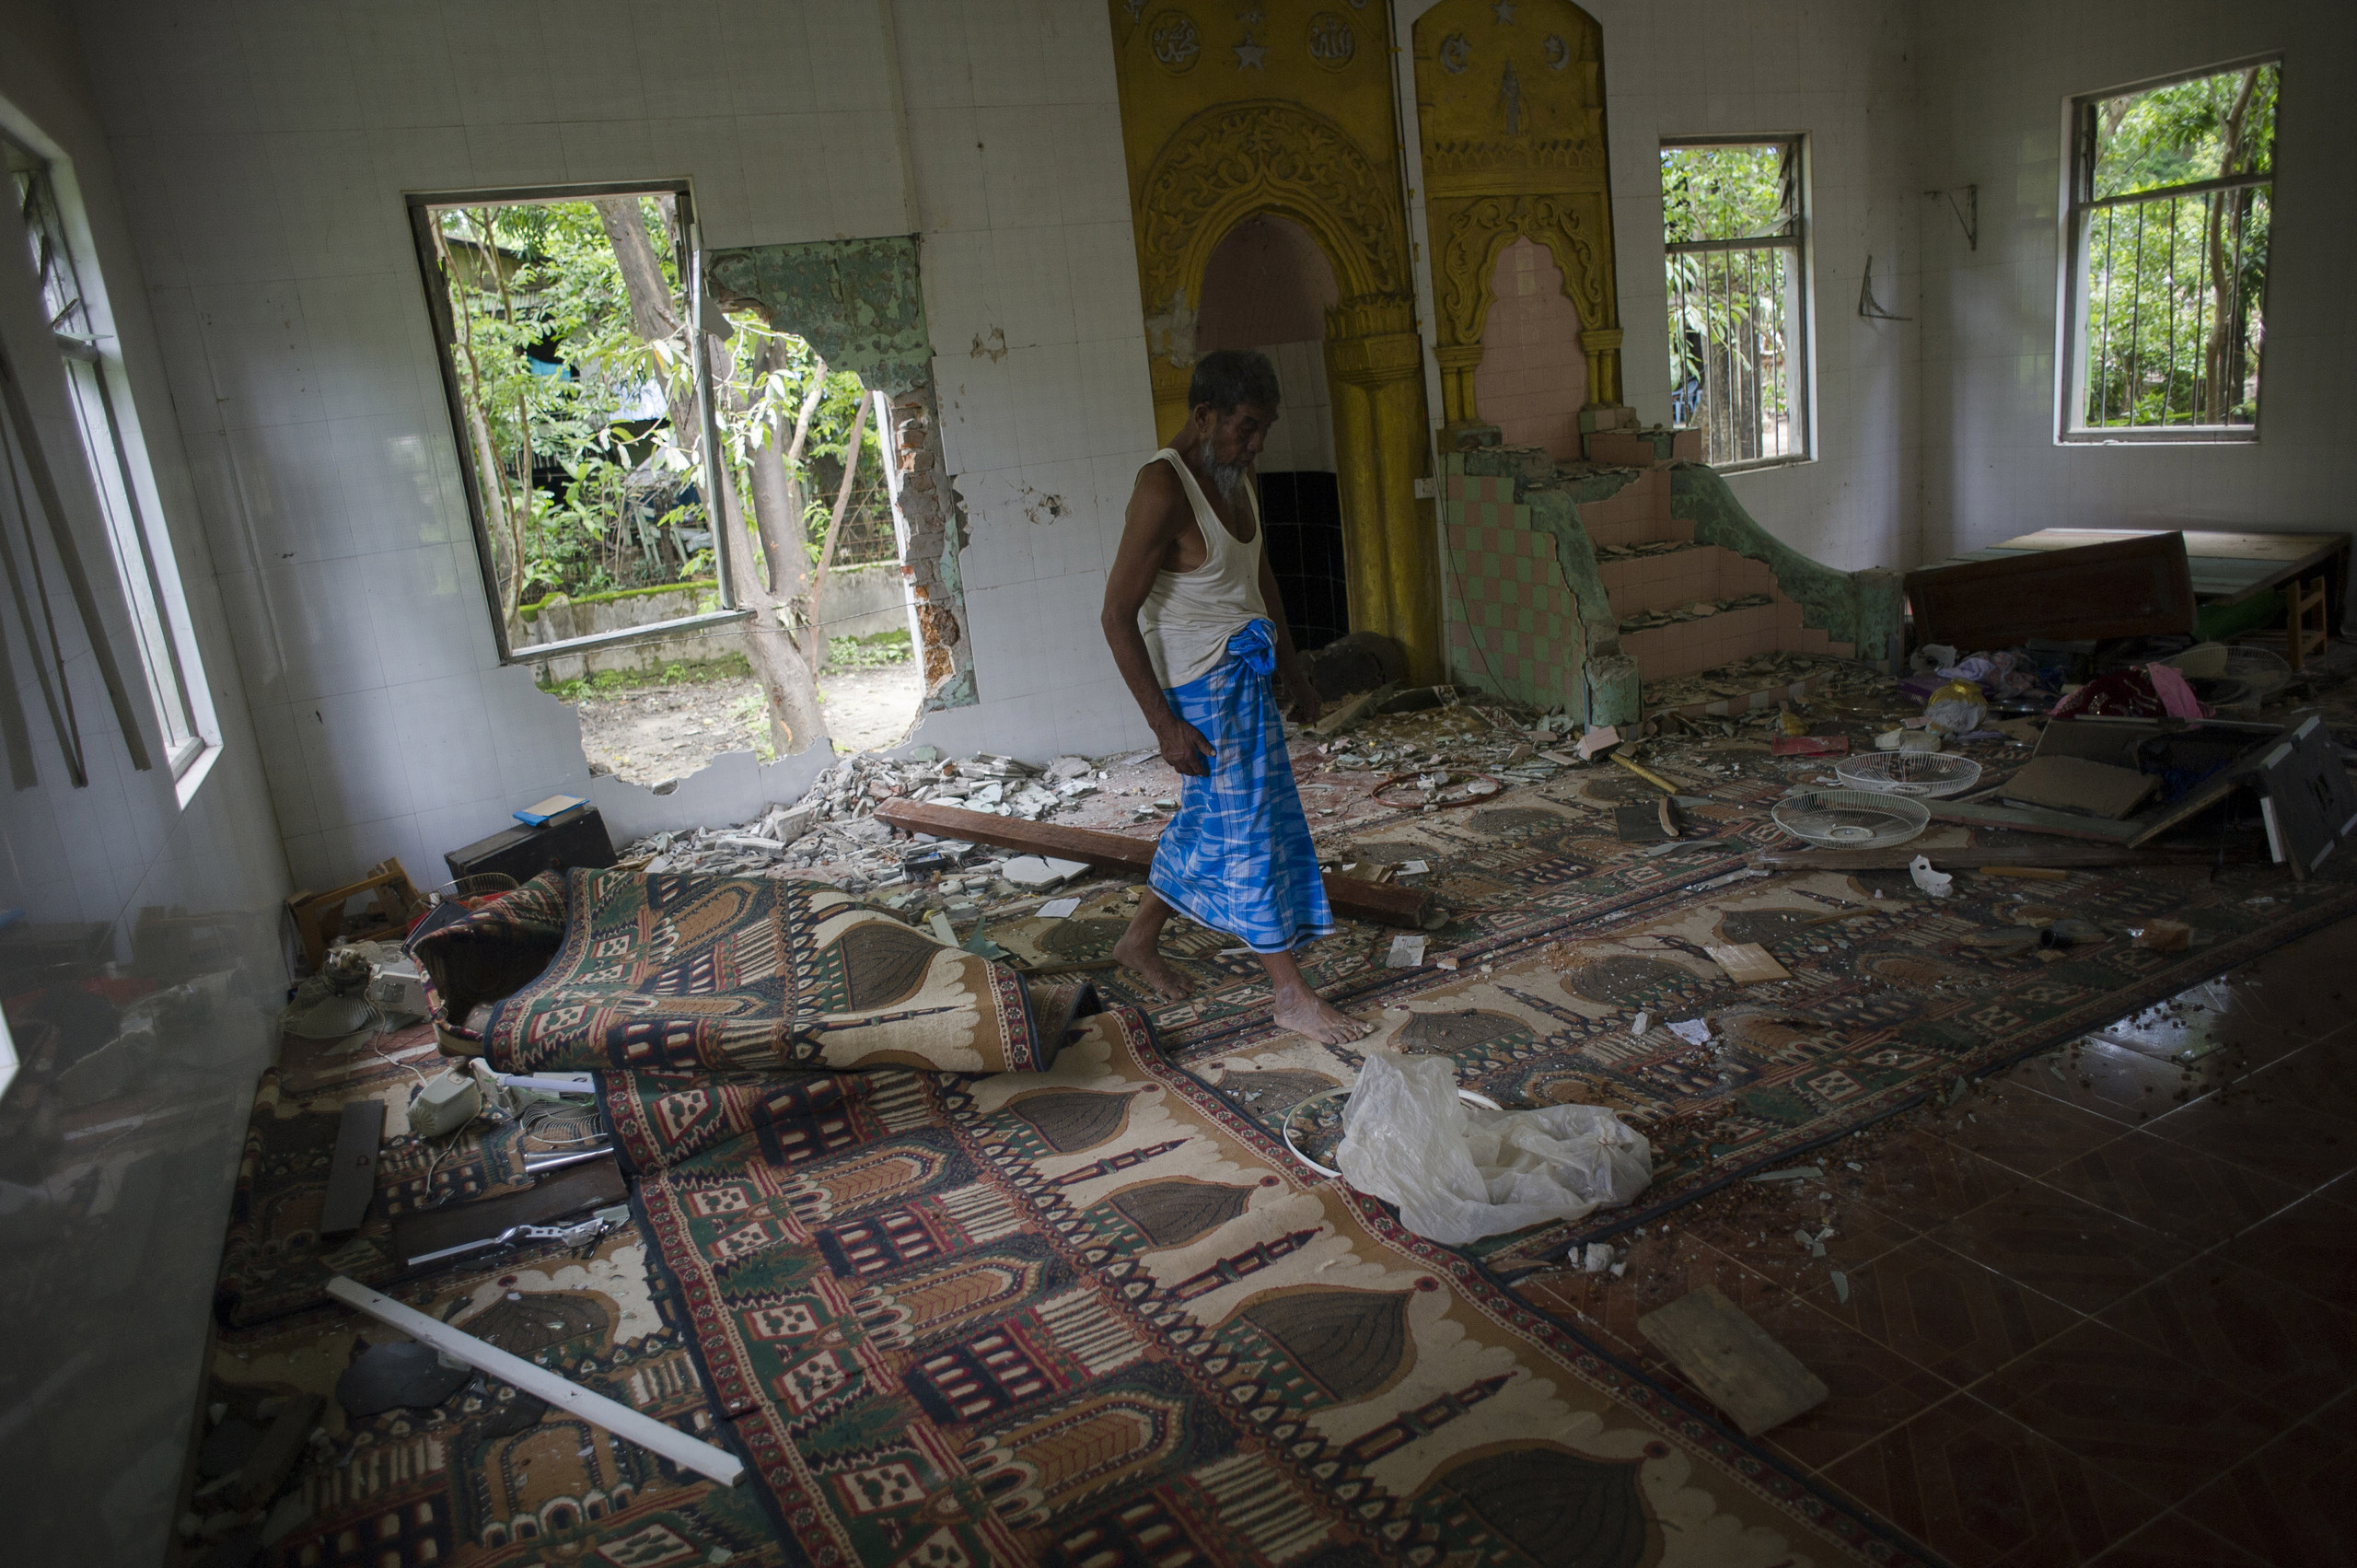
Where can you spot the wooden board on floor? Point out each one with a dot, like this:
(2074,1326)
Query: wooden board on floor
(2135,587)
(1959,858)
(1732,1360)
(2033,819)
(1387,903)
(352,1180)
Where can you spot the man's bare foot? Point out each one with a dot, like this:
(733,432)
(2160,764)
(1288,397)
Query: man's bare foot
(1139,954)
(1306,1012)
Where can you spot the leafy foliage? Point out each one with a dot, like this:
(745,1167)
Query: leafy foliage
(875,651)
(2175,280)
(590,479)
(1725,192)
(1730,307)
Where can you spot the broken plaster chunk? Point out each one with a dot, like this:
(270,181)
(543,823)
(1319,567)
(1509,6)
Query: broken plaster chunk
(1041,872)
(1406,952)
(1693,1031)
(1938,884)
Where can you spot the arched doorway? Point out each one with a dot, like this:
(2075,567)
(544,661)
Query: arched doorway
(1293,116)
(1267,286)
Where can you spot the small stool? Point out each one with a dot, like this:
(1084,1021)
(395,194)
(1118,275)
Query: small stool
(2301,638)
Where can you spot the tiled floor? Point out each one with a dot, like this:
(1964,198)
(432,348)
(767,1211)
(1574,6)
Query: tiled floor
(2102,1310)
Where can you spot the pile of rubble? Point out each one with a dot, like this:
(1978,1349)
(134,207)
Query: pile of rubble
(1429,736)
(835,825)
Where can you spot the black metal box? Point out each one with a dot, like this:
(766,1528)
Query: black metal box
(524,852)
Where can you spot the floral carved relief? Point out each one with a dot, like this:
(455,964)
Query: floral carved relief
(1479,230)
(1236,159)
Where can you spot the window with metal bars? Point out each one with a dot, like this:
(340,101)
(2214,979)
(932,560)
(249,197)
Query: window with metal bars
(1735,231)
(82,331)
(2171,202)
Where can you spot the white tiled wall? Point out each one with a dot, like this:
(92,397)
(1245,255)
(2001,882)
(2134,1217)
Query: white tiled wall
(266,149)
(1995,82)
(1030,279)
(118,1144)
(1842,72)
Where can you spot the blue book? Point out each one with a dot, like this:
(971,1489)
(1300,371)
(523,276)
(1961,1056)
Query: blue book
(548,813)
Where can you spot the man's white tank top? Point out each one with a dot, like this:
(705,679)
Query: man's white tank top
(1187,617)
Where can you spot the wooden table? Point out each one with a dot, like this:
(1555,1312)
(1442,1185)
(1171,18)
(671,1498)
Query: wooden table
(2228,568)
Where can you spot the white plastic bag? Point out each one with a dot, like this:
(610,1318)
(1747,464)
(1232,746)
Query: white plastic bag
(1459,1172)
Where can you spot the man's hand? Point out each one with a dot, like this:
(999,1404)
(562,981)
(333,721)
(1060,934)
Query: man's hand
(1184,747)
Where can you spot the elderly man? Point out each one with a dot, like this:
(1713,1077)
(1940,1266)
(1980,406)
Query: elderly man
(1197,630)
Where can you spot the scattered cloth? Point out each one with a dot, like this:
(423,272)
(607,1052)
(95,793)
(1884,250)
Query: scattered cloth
(1461,1172)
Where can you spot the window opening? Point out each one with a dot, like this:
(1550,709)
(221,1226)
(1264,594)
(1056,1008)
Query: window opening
(1735,215)
(115,456)
(578,394)
(2171,205)
(603,406)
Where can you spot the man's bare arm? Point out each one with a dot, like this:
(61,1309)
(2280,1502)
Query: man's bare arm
(1158,510)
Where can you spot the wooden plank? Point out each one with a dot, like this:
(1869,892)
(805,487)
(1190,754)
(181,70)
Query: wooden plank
(2031,820)
(1350,709)
(1387,903)
(2079,784)
(1962,858)
(2130,588)
(635,1426)
(1732,1360)
(352,1179)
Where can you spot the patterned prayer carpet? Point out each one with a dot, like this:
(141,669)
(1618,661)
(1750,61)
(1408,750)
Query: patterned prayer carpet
(1565,935)
(485,1477)
(1093,1316)
(489,1477)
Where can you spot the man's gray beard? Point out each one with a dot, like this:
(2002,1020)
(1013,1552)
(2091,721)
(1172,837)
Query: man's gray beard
(1229,476)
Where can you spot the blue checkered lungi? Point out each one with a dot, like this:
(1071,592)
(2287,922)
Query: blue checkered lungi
(1237,857)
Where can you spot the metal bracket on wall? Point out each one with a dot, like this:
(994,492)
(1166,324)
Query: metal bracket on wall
(1968,214)
(1868,306)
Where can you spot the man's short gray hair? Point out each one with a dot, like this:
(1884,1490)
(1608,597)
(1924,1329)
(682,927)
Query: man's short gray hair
(1227,377)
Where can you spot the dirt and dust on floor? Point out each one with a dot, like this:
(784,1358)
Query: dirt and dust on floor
(647,727)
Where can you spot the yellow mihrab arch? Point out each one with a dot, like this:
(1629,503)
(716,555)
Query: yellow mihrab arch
(1287,109)
(1510,98)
